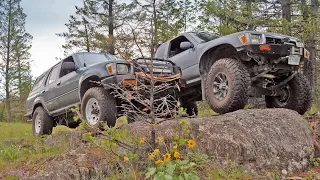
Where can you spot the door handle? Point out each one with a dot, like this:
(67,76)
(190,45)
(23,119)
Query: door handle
(58,83)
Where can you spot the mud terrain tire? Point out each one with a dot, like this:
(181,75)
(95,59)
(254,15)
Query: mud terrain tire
(42,123)
(104,105)
(300,96)
(238,82)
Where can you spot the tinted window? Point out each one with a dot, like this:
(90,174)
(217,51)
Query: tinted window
(204,36)
(38,82)
(87,59)
(53,74)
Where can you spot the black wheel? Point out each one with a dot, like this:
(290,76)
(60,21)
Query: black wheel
(99,106)
(296,95)
(42,123)
(191,108)
(227,86)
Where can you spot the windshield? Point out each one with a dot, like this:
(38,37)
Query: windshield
(204,36)
(88,59)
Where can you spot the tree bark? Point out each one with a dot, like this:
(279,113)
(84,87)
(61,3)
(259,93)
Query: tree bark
(286,14)
(111,28)
(7,84)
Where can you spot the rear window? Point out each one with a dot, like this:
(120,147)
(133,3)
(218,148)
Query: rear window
(54,74)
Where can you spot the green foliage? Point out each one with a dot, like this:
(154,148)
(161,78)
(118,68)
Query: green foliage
(204,109)
(315,162)
(177,169)
(230,172)
(310,175)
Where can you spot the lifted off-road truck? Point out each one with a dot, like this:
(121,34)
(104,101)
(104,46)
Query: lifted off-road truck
(84,80)
(226,70)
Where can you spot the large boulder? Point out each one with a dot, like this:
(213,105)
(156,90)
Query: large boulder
(258,139)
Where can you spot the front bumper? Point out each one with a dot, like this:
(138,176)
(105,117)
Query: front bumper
(116,79)
(280,50)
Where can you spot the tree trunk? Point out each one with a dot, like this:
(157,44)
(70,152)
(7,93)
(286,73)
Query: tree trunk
(309,69)
(87,37)
(286,14)
(111,28)
(8,103)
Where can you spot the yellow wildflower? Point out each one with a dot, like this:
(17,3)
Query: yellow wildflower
(158,162)
(160,140)
(125,159)
(183,122)
(175,146)
(156,151)
(176,155)
(166,157)
(151,155)
(191,143)
(142,140)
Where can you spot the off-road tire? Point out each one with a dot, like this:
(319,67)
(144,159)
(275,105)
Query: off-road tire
(46,122)
(191,108)
(307,95)
(300,98)
(238,85)
(107,104)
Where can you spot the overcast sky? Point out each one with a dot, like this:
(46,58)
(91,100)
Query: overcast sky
(45,18)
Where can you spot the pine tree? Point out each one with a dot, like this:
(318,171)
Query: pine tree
(81,31)
(13,38)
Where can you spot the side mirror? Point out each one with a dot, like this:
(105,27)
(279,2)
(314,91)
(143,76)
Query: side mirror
(186,45)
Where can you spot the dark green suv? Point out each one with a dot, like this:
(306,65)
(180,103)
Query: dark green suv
(77,80)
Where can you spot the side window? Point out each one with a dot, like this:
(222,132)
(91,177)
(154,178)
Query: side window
(175,46)
(53,74)
(67,67)
(38,82)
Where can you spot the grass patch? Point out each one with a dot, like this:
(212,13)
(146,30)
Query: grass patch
(204,109)
(15,131)
(18,144)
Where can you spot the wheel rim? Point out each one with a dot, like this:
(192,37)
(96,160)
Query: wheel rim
(37,124)
(284,97)
(92,111)
(220,86)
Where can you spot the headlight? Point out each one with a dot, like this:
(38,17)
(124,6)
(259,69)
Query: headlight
(122,69)
(256,39)
(114,68)
(252,38)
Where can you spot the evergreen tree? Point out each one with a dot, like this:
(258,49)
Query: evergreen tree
(81,31)
(14,43)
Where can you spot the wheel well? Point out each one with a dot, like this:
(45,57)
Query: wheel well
(35,107)
(87,84)
(214,54)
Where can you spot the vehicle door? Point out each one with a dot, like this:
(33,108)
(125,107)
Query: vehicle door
(184,58)
(50,95)
(67,84)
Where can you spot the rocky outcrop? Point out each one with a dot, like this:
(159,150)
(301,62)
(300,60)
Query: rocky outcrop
(258,139)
